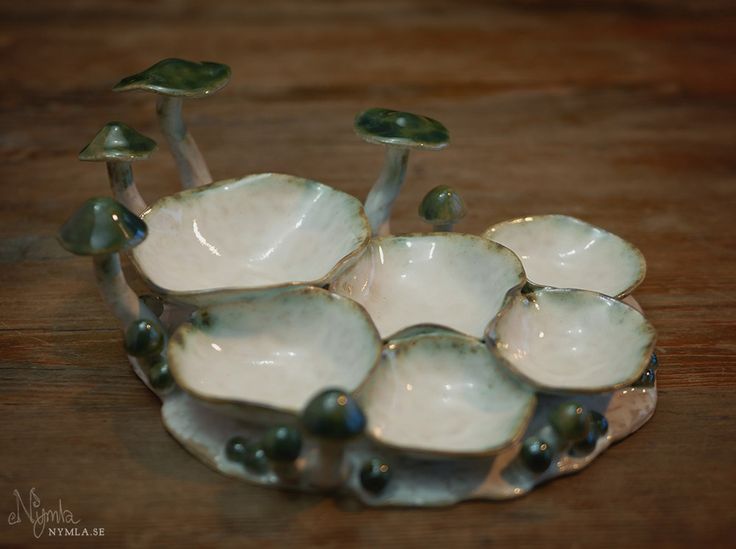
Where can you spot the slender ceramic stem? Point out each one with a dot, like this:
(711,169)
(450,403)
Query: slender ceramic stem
(122,300)
(189,160)
(385,190)
(443,227)
(123,186)
(330,472)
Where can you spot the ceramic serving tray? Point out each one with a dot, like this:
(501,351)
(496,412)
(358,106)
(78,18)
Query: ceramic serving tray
(295,342)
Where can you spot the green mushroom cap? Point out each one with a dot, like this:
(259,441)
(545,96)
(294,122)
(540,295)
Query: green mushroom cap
(442,205)
(102,226)
(402,129)
(333,414)
(178,78)
(118,141)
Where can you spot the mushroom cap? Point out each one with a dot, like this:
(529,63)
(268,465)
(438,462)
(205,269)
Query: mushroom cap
(102,226)
(442,205)
(118,142)
(178,78)
(402,129)
(333,414)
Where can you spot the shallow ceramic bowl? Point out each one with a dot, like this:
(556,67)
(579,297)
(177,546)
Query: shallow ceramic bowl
(259,233)
(572,340)
(565,252)
(441,392)
(450,279)
(274,352)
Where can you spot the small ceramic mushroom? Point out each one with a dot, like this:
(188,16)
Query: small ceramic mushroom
(118,145)
(400,132)
(175,80)
(102,228)
(333,417)
(442,207)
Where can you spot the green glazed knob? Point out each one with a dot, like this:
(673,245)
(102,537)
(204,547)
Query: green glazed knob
(144,338)
(282,444)
(159,376)
(536,454)
(442,207)
(571,421)
(375,475)
(235,449)
(333,414)
(118,142)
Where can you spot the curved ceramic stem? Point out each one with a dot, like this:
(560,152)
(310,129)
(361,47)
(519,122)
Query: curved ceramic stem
(385,190)
(123,186)
(189,160)
(121,299)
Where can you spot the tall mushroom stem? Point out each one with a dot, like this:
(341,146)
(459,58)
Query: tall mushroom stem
(121,299)
(330,471)
(123,186)
(383,194)
(189,160)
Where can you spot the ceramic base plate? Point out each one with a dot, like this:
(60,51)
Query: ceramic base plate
(416,480)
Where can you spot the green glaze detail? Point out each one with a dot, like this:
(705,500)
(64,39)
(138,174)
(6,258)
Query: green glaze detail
(647,379)
(153,302)
(333,414)
(653,362)
(282,443)
(402,129)
(160,376)
(178,78)
(375,474)
(118,142)
(255,458)
(599,423)
(235,449)
(586,445)
(536,454)
(144,338)
(102,226)
(442,205)
(571,421)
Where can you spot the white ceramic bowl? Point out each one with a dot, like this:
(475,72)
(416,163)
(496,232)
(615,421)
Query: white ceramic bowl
(572,341)
(565,252)
(444,392)
(262,232)
(450,279)
(274,352)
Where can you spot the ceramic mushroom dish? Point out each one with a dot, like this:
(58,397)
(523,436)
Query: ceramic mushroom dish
(295,342)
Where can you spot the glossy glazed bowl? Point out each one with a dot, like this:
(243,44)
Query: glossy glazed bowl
(441,392)
(450,279)
(572,341)
(263,232)
(274,352)
(564,252)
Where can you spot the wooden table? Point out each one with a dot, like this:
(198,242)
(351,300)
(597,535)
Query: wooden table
(622,113)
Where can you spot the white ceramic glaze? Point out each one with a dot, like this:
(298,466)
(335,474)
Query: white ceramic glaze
(565,252)
(450,279)
(572,340)
(265,231)
(444,392)
(274,352)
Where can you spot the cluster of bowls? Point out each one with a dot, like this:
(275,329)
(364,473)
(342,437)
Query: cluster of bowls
(431,332)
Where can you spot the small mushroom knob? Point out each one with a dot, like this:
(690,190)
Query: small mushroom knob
(442,207)
(333,414)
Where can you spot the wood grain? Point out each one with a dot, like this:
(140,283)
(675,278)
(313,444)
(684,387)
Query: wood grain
(619,112)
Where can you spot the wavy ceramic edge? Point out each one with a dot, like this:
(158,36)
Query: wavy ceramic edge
(640,256)
(243,404)
(499,247)
(226,293)
(491,342)
(441,332)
